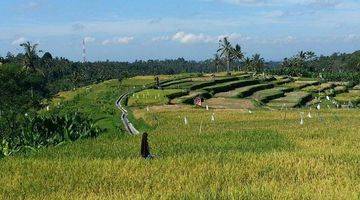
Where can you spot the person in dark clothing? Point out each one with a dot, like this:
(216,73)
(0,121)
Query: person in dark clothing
(145,148)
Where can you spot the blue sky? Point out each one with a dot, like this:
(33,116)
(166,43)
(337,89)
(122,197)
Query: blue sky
(159,29)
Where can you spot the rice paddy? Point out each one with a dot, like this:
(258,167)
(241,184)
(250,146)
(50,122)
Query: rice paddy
(218,154)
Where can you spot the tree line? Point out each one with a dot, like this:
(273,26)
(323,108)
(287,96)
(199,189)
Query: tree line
(336,67)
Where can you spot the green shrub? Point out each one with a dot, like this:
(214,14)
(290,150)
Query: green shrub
(19,132)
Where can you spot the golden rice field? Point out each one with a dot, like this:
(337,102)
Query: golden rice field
(238,155)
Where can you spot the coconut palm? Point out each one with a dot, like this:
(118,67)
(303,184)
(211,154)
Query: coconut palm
(302,55)
(30,55)
(258,62)
(248,63)
(238,54)
(226,51)
(217,62)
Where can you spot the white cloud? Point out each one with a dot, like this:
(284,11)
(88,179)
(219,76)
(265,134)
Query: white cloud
(234,37)
(19,41)
(185,38)
(89,39)
(160,38)
(118,41)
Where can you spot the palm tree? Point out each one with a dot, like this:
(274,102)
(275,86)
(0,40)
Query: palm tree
(258,62)
(302,55)
(238,54)
(217,62)
(30,55)
(226,51)
(248,63)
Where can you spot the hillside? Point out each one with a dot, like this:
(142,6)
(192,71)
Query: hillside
(219,153)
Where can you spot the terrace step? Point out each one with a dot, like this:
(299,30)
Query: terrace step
(264,96)
(291,100)
(215,81)
(249,90)
(357,87)
(230,86)
(352,96)
(189,99)
(318,88)
(168,84)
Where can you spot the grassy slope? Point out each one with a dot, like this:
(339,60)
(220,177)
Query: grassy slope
(240,155)
(152,97)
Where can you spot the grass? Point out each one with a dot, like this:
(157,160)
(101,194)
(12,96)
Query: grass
(224,87)
(318,88)
(249,90)
(265,96)
(290,100)
(96,101)
(356,87)
(153,97)
(351,96)
(263,155)
(189,99)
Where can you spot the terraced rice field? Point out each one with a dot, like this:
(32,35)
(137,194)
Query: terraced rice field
(218,154)
(154,97)
(245,91)
(353,96)
(265,96)
(290,100)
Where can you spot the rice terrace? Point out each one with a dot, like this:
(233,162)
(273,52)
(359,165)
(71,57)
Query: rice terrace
(156,118)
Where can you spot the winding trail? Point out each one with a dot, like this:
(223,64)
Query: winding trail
(124,115)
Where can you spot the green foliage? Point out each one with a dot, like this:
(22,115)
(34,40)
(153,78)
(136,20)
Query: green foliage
(337,67)
(21,89)
(32,131)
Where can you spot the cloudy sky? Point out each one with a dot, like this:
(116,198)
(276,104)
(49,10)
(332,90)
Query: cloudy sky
(158,29)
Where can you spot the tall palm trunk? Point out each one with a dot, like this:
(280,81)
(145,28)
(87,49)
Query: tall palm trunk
(228,64)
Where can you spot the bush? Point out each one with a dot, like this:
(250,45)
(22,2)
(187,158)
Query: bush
(19,132)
